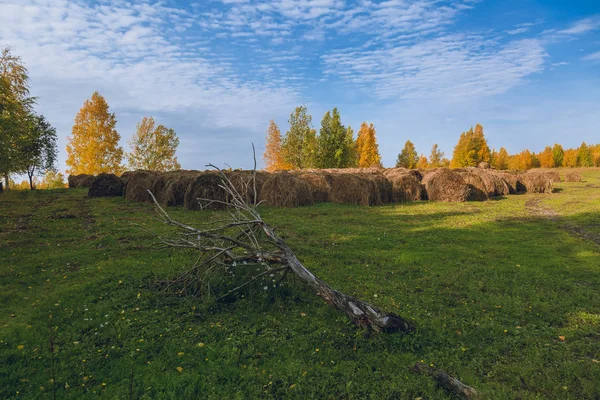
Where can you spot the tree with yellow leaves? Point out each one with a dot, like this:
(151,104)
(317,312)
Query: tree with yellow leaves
(422,163)
(153,147)
(274,157)
(471,149)
(367,148)
(94,147)
(546,158)
(500,159)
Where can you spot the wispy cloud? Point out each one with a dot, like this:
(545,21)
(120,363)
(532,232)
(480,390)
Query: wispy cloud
(592,57)
(582,26)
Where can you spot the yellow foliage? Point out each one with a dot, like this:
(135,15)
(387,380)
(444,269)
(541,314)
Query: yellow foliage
(274,157)
(366,147)
(153,147)
(94,147)
(422,164)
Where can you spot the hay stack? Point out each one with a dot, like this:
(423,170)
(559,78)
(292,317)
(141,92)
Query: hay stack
(573,176)
(81,180)
(106,185)
(169,188)
(494,183)
(483,165)
(535,182)
(283,189)
(138,184)
(401,171)
(319,185)
(208,187)
(446,185)
(478,189)
(511,178)
(405,185)
(363,187)
(553,175)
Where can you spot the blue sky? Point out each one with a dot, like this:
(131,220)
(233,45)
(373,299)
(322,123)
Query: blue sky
(218,70)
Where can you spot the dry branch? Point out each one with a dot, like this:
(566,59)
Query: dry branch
(244,245)
(448,382)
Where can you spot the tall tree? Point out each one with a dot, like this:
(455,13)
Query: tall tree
(298,140)
(471,149)
(367,148)
(37,149)
(436,156)
(546,158)
(334,147)
(521,161)
(558,154)
(422,163)
(153,147)
(500,160)
(570,158)
(273,156)
(408,157)
(94,147)
(352,157)
(15,108)
(584,156)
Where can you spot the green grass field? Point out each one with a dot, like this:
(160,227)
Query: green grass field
(505,295)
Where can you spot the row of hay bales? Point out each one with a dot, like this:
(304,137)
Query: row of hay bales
(369,187)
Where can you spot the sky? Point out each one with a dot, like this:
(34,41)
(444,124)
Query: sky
(217,71)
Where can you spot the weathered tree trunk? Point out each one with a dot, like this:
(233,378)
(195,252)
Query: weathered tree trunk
(448,382)
(360,312)
(6,181)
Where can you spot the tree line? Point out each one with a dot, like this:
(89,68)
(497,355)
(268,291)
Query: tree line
(333,147)
(28,140)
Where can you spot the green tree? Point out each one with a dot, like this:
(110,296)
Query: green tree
(471,149)
(153,147)
(298,144)
(558,154)
(15,109)
(584,156)
(52,180)
(335,143)
(94,147)
(408,157)
(37,149)
(436,156)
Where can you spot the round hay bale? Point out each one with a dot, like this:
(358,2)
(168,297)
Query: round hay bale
(405,187)
(535,182)
(511,179)
(363,188)
(494,184)
(478,189)
(106,185)
(553,175)
(483,165)
(81,180)
(319,186)
(169,188)
(573,176)
(138,185)
(446,185)
(205,192)
(390,173)
(283,189)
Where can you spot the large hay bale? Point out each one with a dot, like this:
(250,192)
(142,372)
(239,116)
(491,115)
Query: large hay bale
(573,176)
(138,185)
(511,178)
(205,191)
(319,185)
(536,182)
(106,185)
(446,185)
(495,185)
(283,189)
(363,188)
(81,180)
(392,172)
(483,165)
(553,175)
(169,187)
(478,189)
(405,187)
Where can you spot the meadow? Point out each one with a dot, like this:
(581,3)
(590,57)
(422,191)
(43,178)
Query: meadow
(505,295)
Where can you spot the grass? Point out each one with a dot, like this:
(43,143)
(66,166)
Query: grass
(504,296)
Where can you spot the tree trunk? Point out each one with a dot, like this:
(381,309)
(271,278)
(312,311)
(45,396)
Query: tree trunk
(6,179)
(360,312)
(448,382)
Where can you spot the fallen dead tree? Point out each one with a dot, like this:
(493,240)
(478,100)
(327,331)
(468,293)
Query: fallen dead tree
(243,245)
(448,382)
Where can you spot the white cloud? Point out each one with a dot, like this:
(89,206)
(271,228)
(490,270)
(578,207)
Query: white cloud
(456,66)
(582,26)
(592,57)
